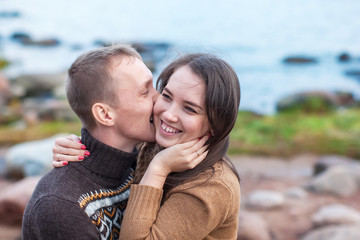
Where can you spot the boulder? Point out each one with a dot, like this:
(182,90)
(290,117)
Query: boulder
(309,102)
(296,193)
(4,90)
(335,214)
(300,60)
(20,37)
(337,181)
(327,161)
(265,199)
(35,110)
(342,232)
(31,158)
(252,227)
(9,14)
(344,57)
(353,73)
(37,85)
(13,200)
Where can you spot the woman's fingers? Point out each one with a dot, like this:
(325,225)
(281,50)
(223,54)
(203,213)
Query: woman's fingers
(68,151)
(57,164)
(199,159)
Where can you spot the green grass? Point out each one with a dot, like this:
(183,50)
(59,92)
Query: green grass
(279,135)
(14,134)
(3,63)
(295,133)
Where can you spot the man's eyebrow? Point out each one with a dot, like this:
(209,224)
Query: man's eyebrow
(148,82)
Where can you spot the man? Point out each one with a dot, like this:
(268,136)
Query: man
(111,91)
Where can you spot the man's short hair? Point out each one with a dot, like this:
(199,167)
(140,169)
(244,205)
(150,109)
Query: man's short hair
(89,81)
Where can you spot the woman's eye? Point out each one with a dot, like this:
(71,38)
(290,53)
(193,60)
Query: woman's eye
(166,96)
(189,109)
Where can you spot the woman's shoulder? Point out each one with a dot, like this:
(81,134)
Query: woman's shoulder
(220,178)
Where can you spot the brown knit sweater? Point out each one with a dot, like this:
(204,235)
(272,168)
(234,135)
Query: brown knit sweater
(204,208)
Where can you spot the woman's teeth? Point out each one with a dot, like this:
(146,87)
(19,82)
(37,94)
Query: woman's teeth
(168,129)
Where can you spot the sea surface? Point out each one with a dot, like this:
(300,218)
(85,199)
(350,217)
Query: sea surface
(254,36)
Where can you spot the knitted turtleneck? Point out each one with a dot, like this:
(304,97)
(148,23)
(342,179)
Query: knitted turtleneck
(84,200)
(105,161)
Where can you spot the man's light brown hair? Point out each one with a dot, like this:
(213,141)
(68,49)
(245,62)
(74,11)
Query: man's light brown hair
(89,81)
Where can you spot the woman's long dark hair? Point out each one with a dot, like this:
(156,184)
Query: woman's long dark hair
(222,101)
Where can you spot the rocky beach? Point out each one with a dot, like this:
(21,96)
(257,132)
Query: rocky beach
(282,199)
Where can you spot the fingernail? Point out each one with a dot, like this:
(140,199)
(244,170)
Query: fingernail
(209,135)
(81,157)
(87,153)
(79,141)
(65,163)
(199,138)
(83,147)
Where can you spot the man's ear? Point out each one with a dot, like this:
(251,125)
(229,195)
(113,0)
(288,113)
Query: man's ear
(103,114)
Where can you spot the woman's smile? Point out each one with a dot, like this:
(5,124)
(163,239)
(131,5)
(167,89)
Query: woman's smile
(168,129)
(179,112)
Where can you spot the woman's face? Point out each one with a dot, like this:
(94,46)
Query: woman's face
(179,112)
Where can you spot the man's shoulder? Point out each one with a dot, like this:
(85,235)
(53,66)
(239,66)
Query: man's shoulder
(61,183)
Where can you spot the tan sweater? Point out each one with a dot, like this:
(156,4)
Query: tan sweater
(205,208)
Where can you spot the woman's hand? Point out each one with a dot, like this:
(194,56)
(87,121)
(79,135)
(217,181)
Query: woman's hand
(178,158)
(68,149)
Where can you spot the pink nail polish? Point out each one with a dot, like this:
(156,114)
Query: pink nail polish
(79,141)
(83,147)
(87,153)
(65,163)
(81,157)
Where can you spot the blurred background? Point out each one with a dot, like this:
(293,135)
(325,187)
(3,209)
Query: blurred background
(299,68)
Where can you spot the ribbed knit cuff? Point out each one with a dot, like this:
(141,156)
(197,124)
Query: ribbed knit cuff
(144,202)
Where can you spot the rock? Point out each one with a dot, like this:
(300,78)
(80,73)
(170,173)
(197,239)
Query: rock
(4,90)
(49,42)
(309,102)
(353,73)
(36,110)
(343,232)
(101,43)
(31,158)
(337,181)
(296,193)
(326,162)
(300,60)
(344,57)
(345,99)
(9,14)
(37,85)
(334,215)
(13,200)
(252,227)
(20,37)
(265,199)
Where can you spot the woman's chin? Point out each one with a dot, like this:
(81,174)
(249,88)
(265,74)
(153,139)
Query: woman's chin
(164,143)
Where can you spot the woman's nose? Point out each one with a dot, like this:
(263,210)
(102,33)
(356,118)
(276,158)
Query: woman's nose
(170,114)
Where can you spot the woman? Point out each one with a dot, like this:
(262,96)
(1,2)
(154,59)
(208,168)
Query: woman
(200,94)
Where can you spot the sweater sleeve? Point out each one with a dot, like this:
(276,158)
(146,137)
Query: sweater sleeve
(55,218)
(188,213)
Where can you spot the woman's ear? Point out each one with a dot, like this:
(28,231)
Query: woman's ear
(103,114)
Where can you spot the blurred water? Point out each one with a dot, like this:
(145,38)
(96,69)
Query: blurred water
(252,35)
